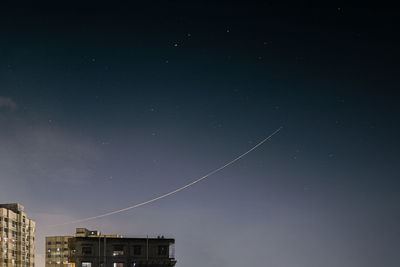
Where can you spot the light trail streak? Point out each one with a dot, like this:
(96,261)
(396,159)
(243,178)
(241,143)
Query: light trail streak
(176,190)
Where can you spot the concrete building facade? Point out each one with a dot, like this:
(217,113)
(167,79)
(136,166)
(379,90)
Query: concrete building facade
(17,237)
(57,251)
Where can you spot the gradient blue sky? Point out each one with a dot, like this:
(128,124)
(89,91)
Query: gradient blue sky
(105,107)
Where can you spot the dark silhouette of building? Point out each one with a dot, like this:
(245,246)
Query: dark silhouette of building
(91,249)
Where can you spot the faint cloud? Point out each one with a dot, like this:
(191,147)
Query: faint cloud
(43,155)
(8,103)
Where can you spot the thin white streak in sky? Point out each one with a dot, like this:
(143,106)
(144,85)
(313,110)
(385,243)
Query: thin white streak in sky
(176,190)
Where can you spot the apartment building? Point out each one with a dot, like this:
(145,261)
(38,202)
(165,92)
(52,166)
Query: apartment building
(17,237)
(57,251)
(89,248)
(122,252)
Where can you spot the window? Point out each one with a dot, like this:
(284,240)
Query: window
(162,250)
(86,264)
(118,250)
(137,250)
(118,264)
(86,251)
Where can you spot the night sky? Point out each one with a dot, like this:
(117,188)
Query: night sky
(103,107)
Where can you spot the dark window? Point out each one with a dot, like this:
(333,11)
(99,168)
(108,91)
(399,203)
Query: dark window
(162,250)
(86,250)
(137,250)
(118,250)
